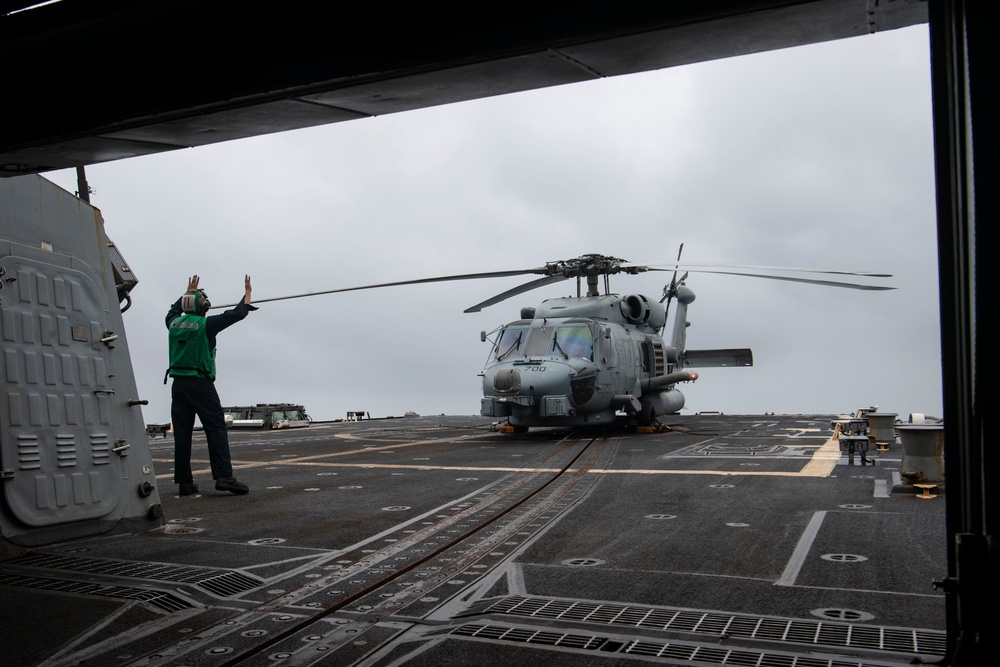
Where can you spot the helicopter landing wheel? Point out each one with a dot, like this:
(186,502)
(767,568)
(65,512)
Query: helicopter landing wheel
(647,417)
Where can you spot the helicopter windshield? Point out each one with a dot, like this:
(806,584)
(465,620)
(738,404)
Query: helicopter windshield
(574,341)
(511,343)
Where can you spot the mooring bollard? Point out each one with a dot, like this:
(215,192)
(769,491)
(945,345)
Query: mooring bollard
(923,453)
(882,429)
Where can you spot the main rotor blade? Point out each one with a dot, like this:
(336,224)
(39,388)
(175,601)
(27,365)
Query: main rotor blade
(792,279)
(722,265)
(597,265)
(526,287)
(418,281)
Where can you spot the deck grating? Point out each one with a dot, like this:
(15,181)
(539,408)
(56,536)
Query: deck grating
(667,651)
(743,626)
(219,582)
(159,599)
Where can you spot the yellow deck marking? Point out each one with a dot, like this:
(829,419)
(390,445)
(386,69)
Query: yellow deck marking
(823,460)
(300,459)
(820,464)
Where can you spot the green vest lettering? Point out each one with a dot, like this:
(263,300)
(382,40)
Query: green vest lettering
(189,353)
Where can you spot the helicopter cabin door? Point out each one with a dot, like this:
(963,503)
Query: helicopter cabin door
(629,361)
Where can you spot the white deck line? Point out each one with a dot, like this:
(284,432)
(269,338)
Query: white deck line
(794,564)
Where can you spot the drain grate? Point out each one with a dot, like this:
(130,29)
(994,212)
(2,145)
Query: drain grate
(521,635)
(222,583)
(721,656)
(687,652)
(816,633)
(160,599)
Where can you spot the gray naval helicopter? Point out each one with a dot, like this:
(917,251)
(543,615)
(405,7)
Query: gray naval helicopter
(584,360)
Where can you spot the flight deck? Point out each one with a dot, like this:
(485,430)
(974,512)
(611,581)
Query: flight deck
(720,540)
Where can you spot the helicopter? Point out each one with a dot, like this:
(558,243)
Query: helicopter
(575,361)
(585,360)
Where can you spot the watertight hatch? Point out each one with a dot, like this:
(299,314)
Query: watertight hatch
(57,434)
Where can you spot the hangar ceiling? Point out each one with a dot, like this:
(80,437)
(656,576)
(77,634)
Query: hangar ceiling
(89,81)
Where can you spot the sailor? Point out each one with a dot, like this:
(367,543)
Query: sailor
(192,366)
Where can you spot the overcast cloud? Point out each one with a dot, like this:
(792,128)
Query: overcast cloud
(819,156)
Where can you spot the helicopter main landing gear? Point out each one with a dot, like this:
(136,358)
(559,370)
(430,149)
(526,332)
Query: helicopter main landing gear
(647,416)
(511,428)
(646,421)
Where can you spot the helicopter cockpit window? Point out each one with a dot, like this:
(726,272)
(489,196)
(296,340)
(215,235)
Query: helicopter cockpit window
(575,341)
(539,342)
(572,341)
(511,343)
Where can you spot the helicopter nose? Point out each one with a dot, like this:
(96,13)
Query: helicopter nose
(546,380)
(507,381)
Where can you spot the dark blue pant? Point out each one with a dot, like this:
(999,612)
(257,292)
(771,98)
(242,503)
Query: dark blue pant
(197,396)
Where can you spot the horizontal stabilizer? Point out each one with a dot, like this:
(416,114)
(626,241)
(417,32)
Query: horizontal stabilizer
(718,358)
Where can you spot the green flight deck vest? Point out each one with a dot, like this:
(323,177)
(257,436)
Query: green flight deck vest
(189,353)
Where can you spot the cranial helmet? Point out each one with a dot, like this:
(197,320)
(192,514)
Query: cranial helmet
(195,302)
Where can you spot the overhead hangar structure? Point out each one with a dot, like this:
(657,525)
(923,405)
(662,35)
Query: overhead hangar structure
(92,81)
(104,80)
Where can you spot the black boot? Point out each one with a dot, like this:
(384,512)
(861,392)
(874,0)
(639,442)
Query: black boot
(230,484)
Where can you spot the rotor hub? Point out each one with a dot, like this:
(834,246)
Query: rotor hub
(590,265)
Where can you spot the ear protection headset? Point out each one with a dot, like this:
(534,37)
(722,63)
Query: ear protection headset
(195,302)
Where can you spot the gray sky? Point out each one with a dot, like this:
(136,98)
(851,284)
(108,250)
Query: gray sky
(819,156)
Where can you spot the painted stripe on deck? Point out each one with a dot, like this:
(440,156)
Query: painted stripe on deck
(794,564)
(821,464)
